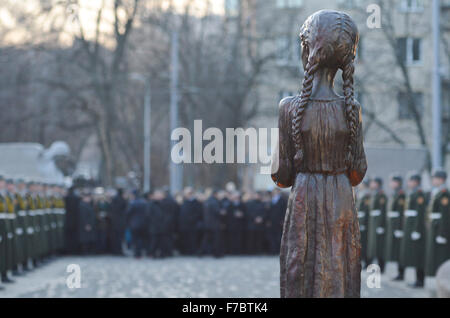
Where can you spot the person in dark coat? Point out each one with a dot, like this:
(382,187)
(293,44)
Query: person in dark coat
(212,242)
(255,224)
(87,224)
(137,222)
(223,245)
(170,210)
(118,220)
(278,206)
(236,224)
(188,222)
(102,209)
(71,225)
(157,228)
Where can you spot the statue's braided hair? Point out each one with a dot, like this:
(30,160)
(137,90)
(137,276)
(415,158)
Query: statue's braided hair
(343,38)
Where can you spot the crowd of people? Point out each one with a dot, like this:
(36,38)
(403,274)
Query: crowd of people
(411,228)
(39,221)
(212,222)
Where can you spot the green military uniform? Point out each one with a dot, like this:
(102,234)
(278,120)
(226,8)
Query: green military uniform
(59,219)
(16,231)
(438,232)
(23,220)
(412,247)
(363,218)
(4,262)
(34,228)
(394,229)
(43,226)
(377,225)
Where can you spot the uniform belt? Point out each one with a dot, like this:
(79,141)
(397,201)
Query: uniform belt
(361,214)
(375,213)
(53,225)
(410,213)
(362,228)
(10,235)
(22,213)
(436,215)
(30,230)
(3,216)
(393,214)
(19,231)
(398,233)
(380,230)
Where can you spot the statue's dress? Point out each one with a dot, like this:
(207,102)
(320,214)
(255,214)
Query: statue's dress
(320,248)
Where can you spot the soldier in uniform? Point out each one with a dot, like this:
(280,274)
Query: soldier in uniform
(5,241)
(412,247)
(363,216)
(24,222)
(438,234)
(16,229)
(377,224)
(394,222)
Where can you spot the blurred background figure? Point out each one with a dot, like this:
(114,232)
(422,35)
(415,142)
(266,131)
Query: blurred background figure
(72,220)
(278,206)
(236,224)
(118,221)
(189,219)
(137,222)
(255,213)
(87,221)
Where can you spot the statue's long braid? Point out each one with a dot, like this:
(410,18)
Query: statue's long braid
(350,108)
(300,103)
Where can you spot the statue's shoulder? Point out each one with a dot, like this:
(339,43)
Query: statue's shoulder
(285,106)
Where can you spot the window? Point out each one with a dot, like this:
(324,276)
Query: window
(232,7)
(283,52)
(409,50)
(282,94)
(283,4)
(404,109)
(349,4)
(411,6)
(288,50)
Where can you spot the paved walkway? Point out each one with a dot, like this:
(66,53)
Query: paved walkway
(107,276)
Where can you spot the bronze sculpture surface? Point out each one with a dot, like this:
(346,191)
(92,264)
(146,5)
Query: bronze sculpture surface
(321,156)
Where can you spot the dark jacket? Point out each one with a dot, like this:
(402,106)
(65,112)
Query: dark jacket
(211,214)
(117,214)
(137,215)
(87,223)
(190,215)
(255,212)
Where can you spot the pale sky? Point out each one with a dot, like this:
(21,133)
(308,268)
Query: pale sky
(39,24)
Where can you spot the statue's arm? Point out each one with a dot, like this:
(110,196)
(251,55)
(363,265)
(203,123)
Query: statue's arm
(283,173)
(359,167)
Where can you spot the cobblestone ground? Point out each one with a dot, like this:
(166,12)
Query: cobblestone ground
(107,276)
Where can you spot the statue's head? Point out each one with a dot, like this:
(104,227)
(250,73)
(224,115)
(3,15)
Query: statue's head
(329,38)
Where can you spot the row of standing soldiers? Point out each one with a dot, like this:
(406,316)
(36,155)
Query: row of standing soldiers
(31,225)
(212,223)
(411,229)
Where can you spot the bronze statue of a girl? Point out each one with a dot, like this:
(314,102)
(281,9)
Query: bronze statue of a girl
(321,156)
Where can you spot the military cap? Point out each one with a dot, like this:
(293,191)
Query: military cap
(397,178)
(440,174)
(378,180)
(415,177)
